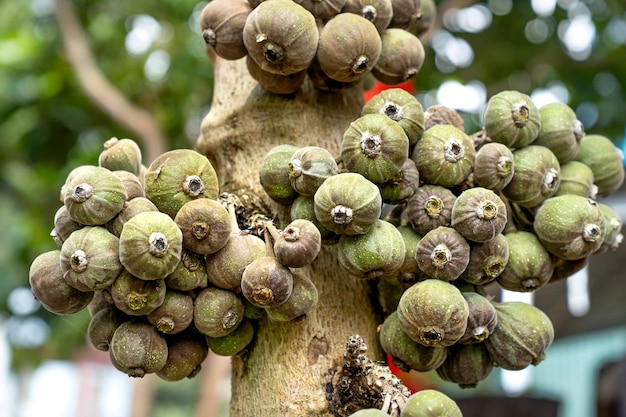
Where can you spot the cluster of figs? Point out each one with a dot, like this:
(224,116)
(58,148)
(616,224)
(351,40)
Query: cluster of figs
(442,218)
(158,258)
(334,43)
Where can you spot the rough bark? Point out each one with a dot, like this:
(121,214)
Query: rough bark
(284,371)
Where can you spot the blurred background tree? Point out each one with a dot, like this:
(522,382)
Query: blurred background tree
(145,75)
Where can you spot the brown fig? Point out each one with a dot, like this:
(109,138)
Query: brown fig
(138,348)
(430,207)
(482,319)
(466,365)
(401,57)
(185,354)
(221,23)
(379,12)
(205,225)
(174,314)
(281,36)
(478,214)
(349,47)
(102,326)
(493,166)
(190,273)
(487,261)
(137,297)
(297,244)
(217,312)
(322,9)
(51,290)
(442,253)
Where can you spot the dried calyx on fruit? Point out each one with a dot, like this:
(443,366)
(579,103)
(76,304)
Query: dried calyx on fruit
(221,23)
(349,47)
(281,36)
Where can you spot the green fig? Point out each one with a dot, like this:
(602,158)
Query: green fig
(511,118)
(605,160)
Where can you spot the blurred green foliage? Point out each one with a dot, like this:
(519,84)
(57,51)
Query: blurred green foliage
(48,126)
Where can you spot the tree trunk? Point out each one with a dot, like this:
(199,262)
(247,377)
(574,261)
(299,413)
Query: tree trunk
(285,368)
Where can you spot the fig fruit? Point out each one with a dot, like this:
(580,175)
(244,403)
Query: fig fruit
(138,348)
(349,47)
(233,343)
(605,160)
(536,176)
(51,290)
(205,225)
(442,253)
(560,131)
(135,296)
(400,106)
(217,312)
(511,118)
(281,36)
(493,166)
(433,313)
(347,203)
(93,195)
(303,298)
(430,207)
(444,156)
(530,264)
(222,23)
(274,174)
(177,176)
(185,354)
(379,12)
(405,352)
(401,57)
(309,167)
(466,365)
(570,226)
(522,335)
(374,146)
(151,245)
(90,258)
(121,155)
(430,403)
(478,214)
(377,252)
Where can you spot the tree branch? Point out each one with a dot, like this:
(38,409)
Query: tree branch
(100,90)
